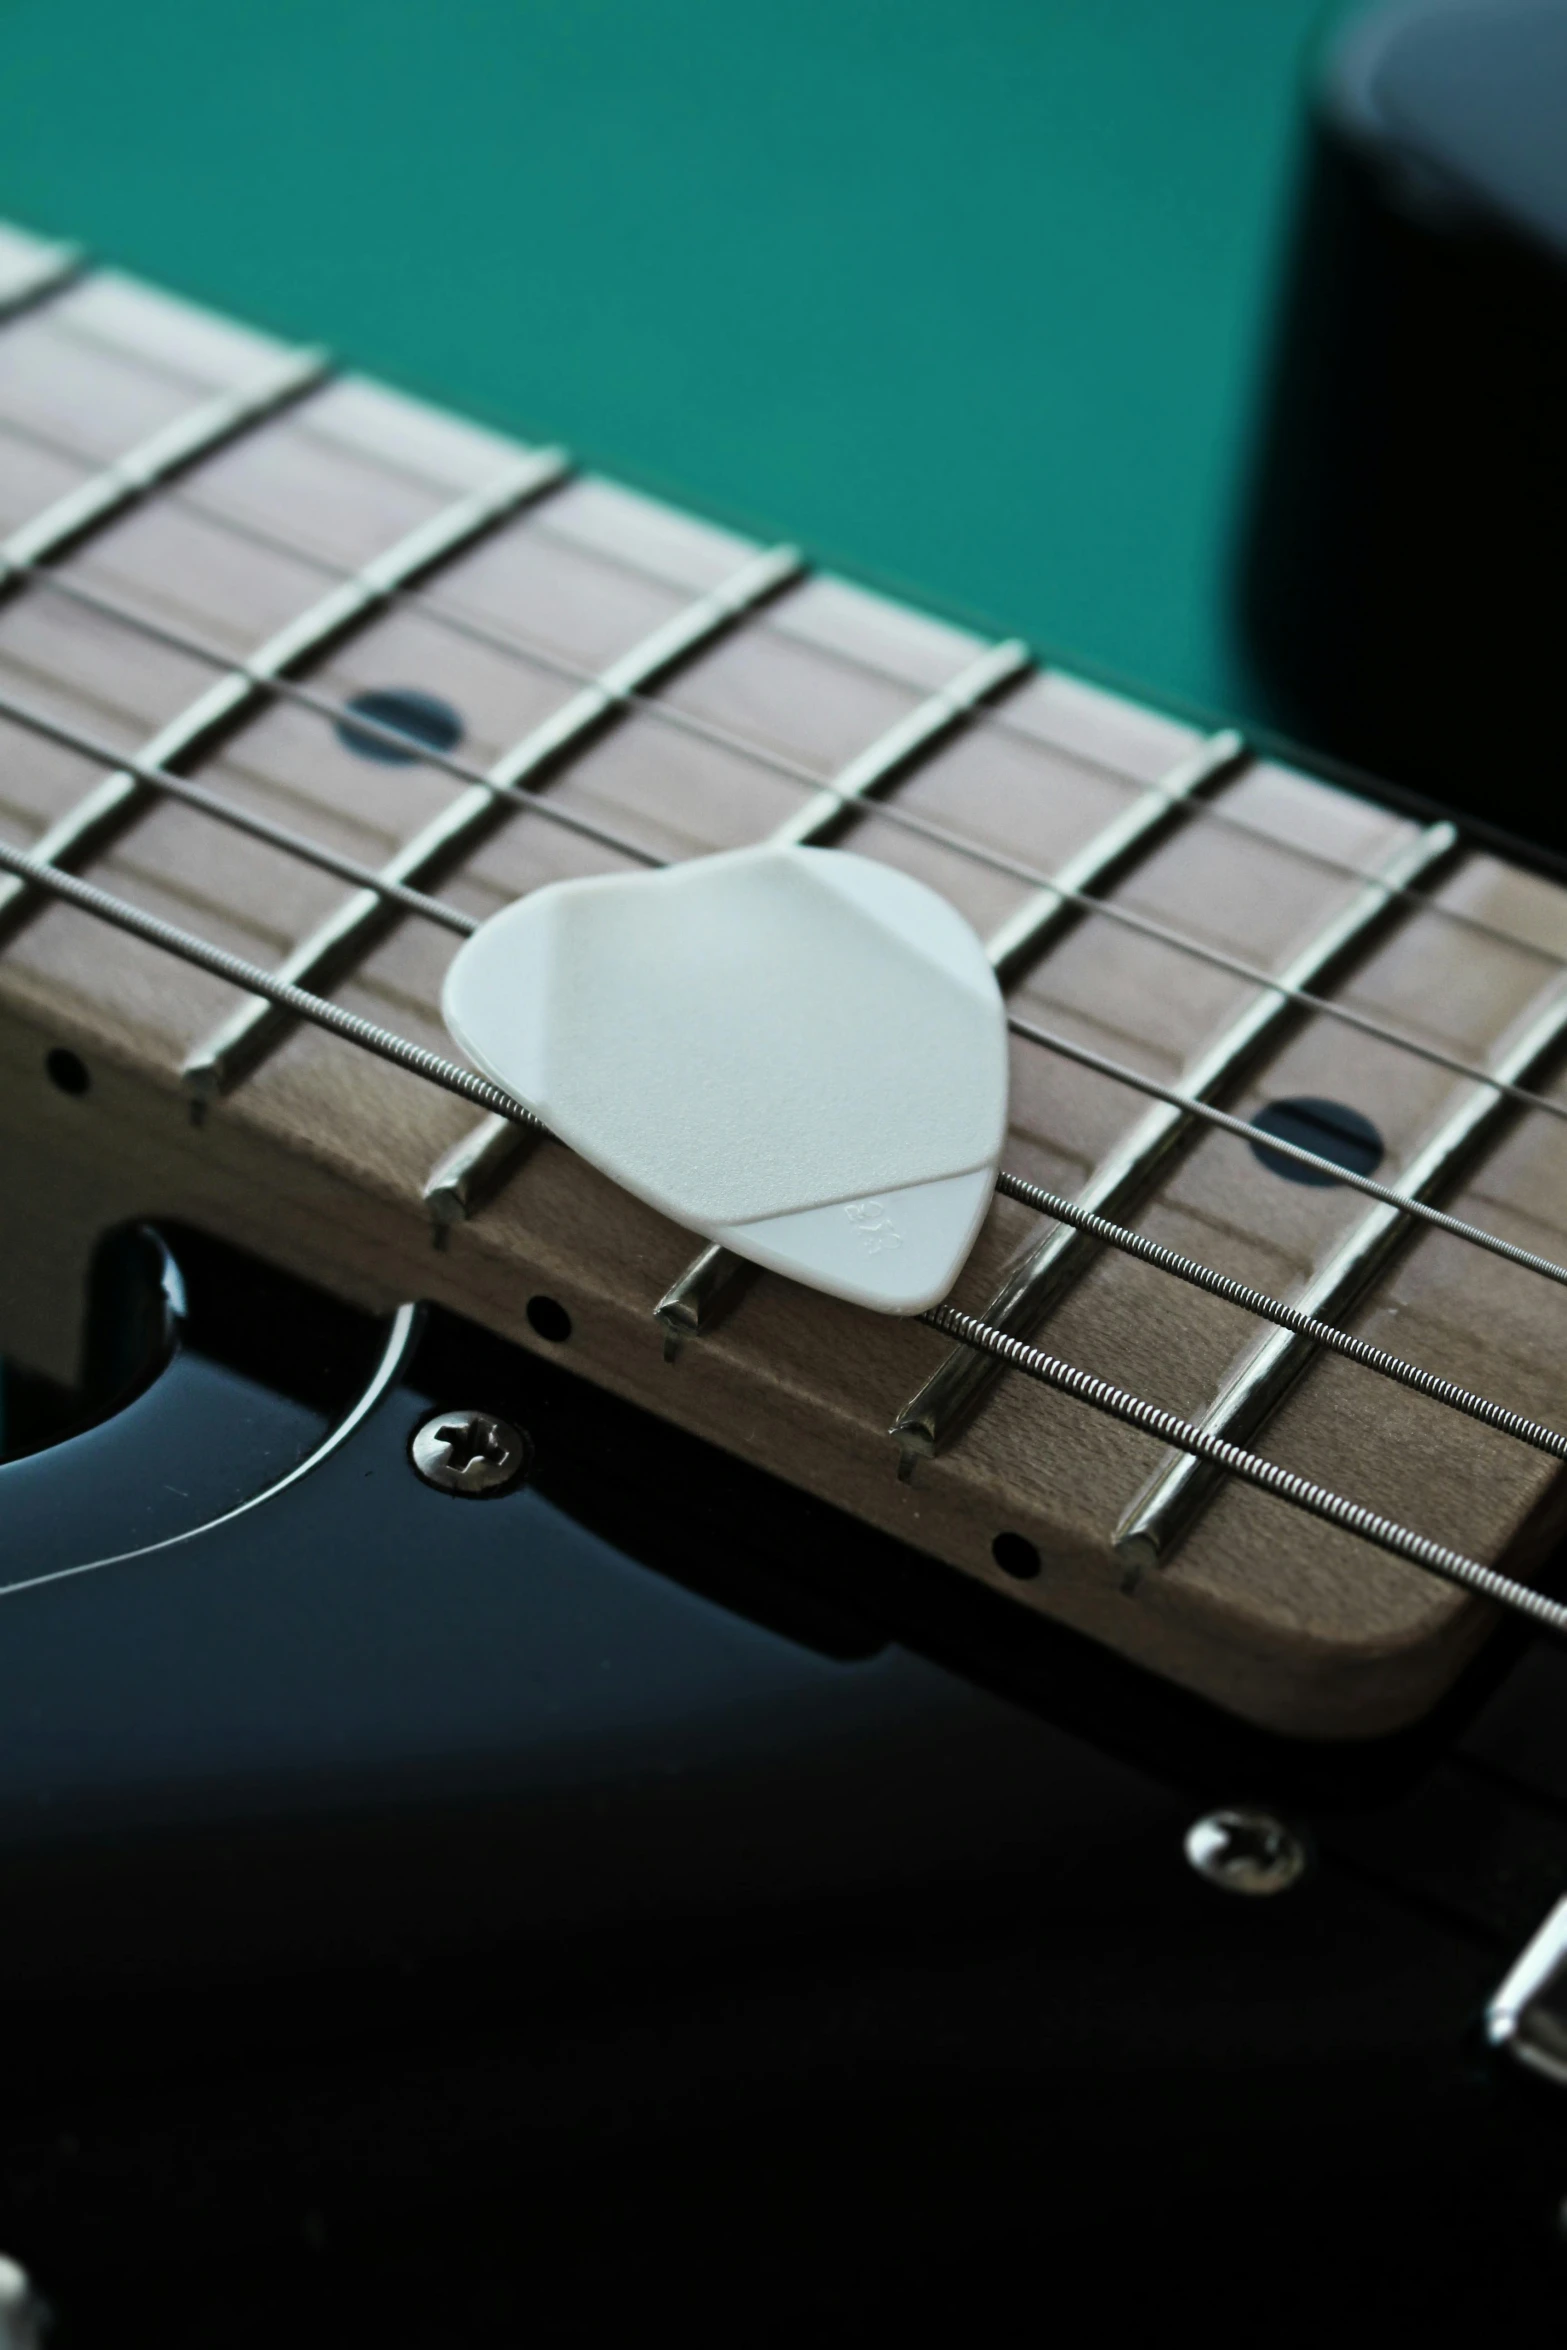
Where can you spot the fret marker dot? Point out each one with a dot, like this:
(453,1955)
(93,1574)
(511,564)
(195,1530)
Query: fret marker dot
(429,723)
(1332,1129)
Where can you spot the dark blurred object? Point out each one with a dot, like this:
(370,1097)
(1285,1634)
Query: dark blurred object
(1402,586)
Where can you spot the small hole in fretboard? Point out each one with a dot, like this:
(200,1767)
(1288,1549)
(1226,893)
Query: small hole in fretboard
(550,1319)
(67,1070)
(1016,1556)
(429,723)
(1332,1129)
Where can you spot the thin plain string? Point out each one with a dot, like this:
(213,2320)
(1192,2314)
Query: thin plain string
(418,600)
(865,809)
(983,718)
(1275,1145)
(1014,1187)
(1300,1492)
(437,909)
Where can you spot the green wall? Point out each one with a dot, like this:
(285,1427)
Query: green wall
(966,294)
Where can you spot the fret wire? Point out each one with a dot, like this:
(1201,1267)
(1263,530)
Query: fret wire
(1037,1283)
(687,1305)
(1192,1106)
(54,268)
(394,738)
(1319,1501)
(1287,1317)
(762,754)
(439,910)
(254,979)
(1010,1186)
(238,818)
(470,1173)
(1203,812)
(1316,1499)
(1164,1512)
(475,631)
(115,801)
(1420,1550)
(253,1030)
(998,721)
(1023,1028)
(1028,931)
(197,434)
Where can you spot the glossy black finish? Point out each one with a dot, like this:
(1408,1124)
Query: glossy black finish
(647,1889)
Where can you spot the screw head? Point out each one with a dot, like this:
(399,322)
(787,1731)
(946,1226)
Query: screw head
(1244,1851)
(469,1452)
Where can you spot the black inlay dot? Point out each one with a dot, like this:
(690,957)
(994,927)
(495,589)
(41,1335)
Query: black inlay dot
(1016,1556)
(429,723)
(67,1070)
(550,1319)
(1332,1129)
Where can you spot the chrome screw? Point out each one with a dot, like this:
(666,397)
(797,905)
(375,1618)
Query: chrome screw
(24,2319)
(1245,1851)
(468,1453)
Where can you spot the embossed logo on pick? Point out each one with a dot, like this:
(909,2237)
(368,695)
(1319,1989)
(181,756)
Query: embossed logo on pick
(797,1052)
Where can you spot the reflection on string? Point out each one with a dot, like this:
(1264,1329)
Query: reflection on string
(1285,1485)
(419,600)
(854,805)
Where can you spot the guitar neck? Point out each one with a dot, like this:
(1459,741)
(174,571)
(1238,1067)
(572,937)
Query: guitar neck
(392,644)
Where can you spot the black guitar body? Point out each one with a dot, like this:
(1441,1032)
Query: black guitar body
(434,1918)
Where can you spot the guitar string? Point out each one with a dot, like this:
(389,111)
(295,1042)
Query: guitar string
(162,780)
(982,719)
(418,600)
(1121,1405)
(1015,1187)
(1318,1501)
(1268,1308)
(863,810)
(1299,1492)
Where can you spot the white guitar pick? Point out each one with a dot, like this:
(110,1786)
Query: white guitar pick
(793,1051)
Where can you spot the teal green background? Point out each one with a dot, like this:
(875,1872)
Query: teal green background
(968,295)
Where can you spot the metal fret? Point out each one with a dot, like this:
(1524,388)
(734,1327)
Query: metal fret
(155,460)
(1038,1283)
(32,272)
(101,811)
(689,1305)
(474,1168)
(1271,1309)
(1136,1411)
(1034,926)
(1039,922)
(471,1172)
(1164,1512)
(245,1039)
(1318,1501)
(464,625)
(924,727)
(1333,1171)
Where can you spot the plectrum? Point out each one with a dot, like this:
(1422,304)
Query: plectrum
(797,1052)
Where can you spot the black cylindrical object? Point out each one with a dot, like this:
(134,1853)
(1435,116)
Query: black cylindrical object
(1402,578)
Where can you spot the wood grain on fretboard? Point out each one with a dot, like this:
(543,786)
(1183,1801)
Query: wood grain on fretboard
(319,1157)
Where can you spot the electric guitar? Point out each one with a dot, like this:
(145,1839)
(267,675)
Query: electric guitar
(1090,1749)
